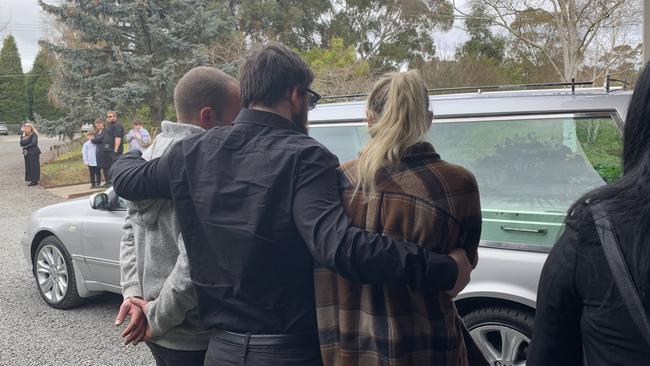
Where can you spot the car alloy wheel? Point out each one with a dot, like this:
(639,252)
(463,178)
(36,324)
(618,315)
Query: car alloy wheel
(51,273)
(502,333)
(54,273)
(501,345)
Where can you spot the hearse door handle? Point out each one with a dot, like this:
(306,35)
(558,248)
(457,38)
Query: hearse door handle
(522,230)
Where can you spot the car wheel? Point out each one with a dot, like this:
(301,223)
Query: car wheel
(54,273)
(503,334)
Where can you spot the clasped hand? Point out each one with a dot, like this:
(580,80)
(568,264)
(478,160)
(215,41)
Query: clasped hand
(138,329)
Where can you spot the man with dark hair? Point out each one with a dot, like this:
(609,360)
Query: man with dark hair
(155,273)
(258,203)
(116,131)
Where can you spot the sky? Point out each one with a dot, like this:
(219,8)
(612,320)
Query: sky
(25,21)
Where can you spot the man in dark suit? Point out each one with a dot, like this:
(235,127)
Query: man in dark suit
(113,138)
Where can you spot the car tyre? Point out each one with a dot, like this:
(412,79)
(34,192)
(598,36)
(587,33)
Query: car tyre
(503,334)
(54,274)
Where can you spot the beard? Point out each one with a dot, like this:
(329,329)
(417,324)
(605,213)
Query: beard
(300,118)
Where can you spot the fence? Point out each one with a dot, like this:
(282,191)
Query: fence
(60,149)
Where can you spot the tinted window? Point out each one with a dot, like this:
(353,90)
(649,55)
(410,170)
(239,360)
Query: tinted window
(540,165)
(529,170)
(344,141)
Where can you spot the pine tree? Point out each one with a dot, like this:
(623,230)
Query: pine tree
(128,53)
(39,81)
(13,104)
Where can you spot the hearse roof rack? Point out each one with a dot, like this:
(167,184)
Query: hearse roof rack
(504,87)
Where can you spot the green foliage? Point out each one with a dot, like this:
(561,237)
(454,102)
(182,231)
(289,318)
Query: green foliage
(39,81)
(386,33)
(338,70)
(390,33)
(466,71)
(13,103)
(336,56)
(296,23)
(482,43)
(602,143)
(127,54)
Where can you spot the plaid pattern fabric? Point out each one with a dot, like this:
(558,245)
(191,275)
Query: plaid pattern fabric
(424,200)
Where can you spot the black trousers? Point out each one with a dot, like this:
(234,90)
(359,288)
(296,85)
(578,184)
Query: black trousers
(226,352)
(99,175)
(95,176)
(170,357)
(32,168)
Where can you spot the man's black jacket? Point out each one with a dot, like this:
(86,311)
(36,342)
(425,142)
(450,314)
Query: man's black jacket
(257,204)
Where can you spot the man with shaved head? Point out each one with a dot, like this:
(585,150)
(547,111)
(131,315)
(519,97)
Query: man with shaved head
(156,284)
(196,102)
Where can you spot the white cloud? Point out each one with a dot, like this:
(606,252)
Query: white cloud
(24,20)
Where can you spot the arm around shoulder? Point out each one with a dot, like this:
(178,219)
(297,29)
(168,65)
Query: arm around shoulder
(137,179)
(335,243)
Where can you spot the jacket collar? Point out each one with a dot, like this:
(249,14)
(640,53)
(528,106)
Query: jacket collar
(419,151)
(267,119)
(179,129)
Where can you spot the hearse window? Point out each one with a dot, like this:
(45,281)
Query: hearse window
(531,169)
(343,140)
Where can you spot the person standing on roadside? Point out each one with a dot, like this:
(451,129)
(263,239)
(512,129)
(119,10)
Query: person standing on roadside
(104,156)
(114,139)
(257,204)
(155,274)
(138,138)
(116,132)
(89,155)
(31,153)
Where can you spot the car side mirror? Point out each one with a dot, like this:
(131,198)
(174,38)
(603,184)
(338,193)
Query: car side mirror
(99,201)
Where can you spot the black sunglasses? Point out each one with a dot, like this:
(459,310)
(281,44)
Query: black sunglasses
(313,99)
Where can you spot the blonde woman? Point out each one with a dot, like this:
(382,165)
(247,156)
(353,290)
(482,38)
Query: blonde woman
(32,154)
(399,186)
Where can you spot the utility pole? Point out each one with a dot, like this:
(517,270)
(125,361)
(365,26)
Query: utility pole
(646,31)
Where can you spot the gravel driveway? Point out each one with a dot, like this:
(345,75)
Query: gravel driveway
(32,333)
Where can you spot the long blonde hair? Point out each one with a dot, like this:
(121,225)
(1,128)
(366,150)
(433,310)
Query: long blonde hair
(399,118)
(31,126)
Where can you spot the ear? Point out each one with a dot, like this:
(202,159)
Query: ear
(295,96)
(207,118)
(430,118)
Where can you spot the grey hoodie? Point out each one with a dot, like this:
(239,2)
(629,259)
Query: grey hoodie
(154,265)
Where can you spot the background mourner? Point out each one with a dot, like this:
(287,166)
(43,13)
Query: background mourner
(138,137)
(32,154)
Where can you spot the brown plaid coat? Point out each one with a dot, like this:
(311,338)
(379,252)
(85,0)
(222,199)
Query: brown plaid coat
(424,200)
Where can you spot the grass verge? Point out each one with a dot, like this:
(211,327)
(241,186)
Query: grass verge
(67,169)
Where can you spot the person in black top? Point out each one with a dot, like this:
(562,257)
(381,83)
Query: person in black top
(580,310)
(257,204)
(104,150)
(32,154)
(115,132)
(112,146)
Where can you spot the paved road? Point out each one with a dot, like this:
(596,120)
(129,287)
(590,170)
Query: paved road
(31,333)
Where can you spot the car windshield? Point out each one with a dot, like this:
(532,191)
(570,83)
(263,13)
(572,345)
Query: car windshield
(529,169)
